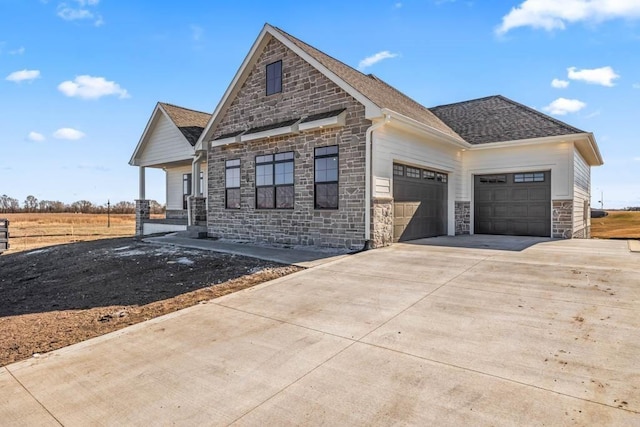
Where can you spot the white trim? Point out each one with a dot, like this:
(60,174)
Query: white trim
(327,122)
(419,127)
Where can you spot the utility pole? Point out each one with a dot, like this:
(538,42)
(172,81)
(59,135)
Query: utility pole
(108,213)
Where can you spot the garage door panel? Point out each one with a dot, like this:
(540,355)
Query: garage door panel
(513,206)
(420,207)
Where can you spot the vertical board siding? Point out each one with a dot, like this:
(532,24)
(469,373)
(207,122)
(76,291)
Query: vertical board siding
(174,186)
(581,193)
(165,144)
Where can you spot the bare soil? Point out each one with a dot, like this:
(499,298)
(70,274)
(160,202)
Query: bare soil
(60,295)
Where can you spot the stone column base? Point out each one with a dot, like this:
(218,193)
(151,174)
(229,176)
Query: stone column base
(562,219)
(198,210)
(463,217)
(143,212)
(381,222)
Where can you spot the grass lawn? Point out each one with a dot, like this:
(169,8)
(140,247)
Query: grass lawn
(618,224)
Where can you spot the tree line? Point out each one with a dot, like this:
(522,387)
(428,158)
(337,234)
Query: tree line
(32,204)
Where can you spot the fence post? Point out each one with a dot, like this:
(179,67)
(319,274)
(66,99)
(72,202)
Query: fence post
(4,235)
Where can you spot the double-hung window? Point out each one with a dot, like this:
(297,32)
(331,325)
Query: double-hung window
(274,181)
(186,189)
(274,78)
(326,177)
(232,184)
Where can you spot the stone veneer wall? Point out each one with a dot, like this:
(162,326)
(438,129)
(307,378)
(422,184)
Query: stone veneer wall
(562,219)
(176,214)
(584,233)
(305,91)
(463,217)
(143,212)
(382,222)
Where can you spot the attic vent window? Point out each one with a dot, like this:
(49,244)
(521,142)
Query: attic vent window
(274,78)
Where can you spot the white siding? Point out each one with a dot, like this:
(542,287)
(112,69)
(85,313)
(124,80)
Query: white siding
(581,193)
(174,186)
(165,144)
(556,157)
(394,145)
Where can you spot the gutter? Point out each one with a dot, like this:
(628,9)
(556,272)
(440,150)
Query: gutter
(368,162)
(194,185)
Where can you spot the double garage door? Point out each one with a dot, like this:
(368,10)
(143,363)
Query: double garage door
(517,204)
(420,203)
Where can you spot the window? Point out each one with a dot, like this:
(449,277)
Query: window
(232,184)
(528,177)
(493,179)
(413,172)
(274,78)
(430,175)
(398,170)
(274,181)
(186,189)
(441,177)
(201,183)
(326,177)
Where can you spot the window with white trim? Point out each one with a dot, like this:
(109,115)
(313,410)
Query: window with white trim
(232,184)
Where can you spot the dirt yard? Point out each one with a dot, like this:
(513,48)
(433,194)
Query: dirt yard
(60,295)
(618,224)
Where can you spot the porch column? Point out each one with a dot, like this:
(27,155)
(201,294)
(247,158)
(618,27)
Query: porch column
(141,183)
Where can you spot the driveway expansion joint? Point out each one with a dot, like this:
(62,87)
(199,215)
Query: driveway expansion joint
(32,396)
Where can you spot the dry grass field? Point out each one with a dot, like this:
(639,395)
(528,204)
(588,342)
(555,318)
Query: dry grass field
(617,225)
(35,230)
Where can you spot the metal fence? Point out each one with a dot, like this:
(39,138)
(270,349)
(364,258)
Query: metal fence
(4,234)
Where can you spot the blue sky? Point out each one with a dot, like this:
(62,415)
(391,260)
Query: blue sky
(80,78)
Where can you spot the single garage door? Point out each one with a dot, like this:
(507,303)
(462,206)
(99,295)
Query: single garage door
(517,204)
(420,203)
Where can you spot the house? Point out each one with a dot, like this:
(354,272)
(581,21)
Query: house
(304,150)
(168,143)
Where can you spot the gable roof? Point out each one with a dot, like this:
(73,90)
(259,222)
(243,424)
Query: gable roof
(371,91)
(497,119)
(190,122)
(375,89)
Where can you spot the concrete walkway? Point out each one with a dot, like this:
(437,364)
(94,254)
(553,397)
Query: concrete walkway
(294,256)
(413,334)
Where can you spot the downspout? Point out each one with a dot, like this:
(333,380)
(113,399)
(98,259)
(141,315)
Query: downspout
(194,186)
(368,163)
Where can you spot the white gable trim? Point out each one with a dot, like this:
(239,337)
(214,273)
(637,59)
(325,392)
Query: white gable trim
(267,33)
(144,139)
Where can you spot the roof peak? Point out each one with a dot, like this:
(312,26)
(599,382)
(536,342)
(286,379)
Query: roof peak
(182,108)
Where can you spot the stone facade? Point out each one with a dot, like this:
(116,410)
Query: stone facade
(463,217)
(143,212)
(176,214)
(382,222)
(198,210)
(584,233)
(305,91)
(562,219)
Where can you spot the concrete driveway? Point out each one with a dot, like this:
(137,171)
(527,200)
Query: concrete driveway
(446,331)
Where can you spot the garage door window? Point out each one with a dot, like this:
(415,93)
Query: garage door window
(493,179)
(528,177)
(413,172)
(398,170)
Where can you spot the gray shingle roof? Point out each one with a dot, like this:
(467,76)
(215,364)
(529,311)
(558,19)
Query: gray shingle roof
(496,119)
(190,122)
(376,90)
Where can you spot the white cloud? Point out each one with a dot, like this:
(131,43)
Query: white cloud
(373,59)
(636,85)
(562,106)
(597,76)
(398,5)
(553,14)
(80,11)
(89,87)
(35,136)
(559,84)
(18,51)
(23,75)
(68,133)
